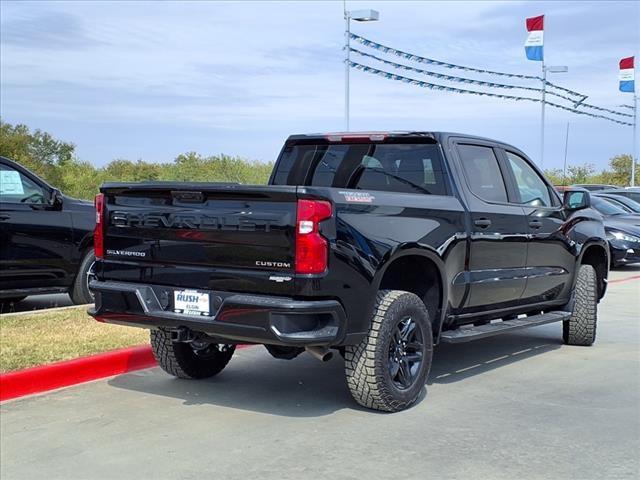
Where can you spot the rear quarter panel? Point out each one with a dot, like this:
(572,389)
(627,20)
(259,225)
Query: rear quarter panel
(372,229)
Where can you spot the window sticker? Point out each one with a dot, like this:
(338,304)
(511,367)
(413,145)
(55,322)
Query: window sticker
(10,183)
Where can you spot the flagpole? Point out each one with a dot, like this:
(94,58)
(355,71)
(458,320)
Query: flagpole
(635,142)
(544,92)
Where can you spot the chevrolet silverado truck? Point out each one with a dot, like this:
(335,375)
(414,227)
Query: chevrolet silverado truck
(375,245)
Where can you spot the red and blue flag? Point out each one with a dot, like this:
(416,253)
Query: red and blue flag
(627,75)
(534,44)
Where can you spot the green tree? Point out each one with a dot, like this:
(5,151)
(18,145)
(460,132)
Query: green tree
(55,161)
(555,176)
(38,151)
(619,172)
(580,173)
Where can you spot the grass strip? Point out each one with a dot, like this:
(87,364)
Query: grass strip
(28,340)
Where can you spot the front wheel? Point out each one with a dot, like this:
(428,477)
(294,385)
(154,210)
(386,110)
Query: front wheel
(189,360)
(388,368)
(580,329)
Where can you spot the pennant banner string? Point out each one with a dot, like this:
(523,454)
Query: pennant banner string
(454,78)
(417,58)
(434,86)
(480,82)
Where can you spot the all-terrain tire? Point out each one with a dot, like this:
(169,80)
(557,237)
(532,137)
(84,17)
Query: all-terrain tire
(580,329)
(79,292)
(182,360)
(368,364)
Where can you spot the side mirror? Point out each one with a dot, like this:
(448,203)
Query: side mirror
(55,200)
(576,200)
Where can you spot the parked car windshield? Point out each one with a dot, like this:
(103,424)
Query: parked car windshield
(622,202)
(606,208)
(633,194)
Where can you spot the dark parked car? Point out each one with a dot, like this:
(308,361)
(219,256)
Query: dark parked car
(46,238)
(632,192)
(378,245)
(623,231)
(595,187)
(621,201)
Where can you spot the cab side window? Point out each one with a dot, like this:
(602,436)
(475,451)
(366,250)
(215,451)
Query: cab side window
(482,172)
(532,189)
(17,188)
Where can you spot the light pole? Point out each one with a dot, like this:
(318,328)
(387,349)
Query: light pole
(358,16)
(545,69)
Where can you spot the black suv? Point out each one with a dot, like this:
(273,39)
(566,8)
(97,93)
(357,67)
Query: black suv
(46,238)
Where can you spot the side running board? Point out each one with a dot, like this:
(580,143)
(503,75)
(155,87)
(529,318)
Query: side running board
(472,332)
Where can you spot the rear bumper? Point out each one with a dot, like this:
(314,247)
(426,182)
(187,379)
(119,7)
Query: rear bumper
(235,317)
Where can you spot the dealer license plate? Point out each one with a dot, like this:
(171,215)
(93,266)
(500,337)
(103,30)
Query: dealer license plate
(191,302)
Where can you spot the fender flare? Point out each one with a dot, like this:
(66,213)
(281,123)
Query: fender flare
(597,242)
(416,249)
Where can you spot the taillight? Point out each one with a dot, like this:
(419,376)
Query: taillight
(98,231)
(312,249)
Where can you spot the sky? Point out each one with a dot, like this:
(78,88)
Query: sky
(150,80)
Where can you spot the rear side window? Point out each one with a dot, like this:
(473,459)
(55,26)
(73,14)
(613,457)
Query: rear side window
(482,172)
(402,167)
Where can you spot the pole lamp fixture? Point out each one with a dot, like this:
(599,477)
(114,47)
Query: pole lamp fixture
(367,15)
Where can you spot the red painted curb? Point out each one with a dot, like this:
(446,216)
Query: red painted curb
(70,372)
(79,370)
(620,280)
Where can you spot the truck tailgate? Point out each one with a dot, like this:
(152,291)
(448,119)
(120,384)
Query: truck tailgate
(191,228)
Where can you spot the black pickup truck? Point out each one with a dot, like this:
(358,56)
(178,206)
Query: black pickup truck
(377,245)
(46,238)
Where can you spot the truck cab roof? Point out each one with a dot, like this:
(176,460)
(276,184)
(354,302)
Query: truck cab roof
(439,137)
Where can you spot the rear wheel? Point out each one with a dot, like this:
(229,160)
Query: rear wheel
(189,360)
(580,329)
(388,369)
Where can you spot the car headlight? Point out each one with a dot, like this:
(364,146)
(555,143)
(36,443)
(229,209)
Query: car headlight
(618,235)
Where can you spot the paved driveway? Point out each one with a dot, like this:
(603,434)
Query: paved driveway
(516,406)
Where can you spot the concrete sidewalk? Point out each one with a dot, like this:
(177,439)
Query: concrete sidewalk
(516,406)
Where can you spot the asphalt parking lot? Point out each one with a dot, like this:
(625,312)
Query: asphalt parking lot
(516,406)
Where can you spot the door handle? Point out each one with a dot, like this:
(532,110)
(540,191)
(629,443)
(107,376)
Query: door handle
(535,224)
(4,216)
(482,222)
